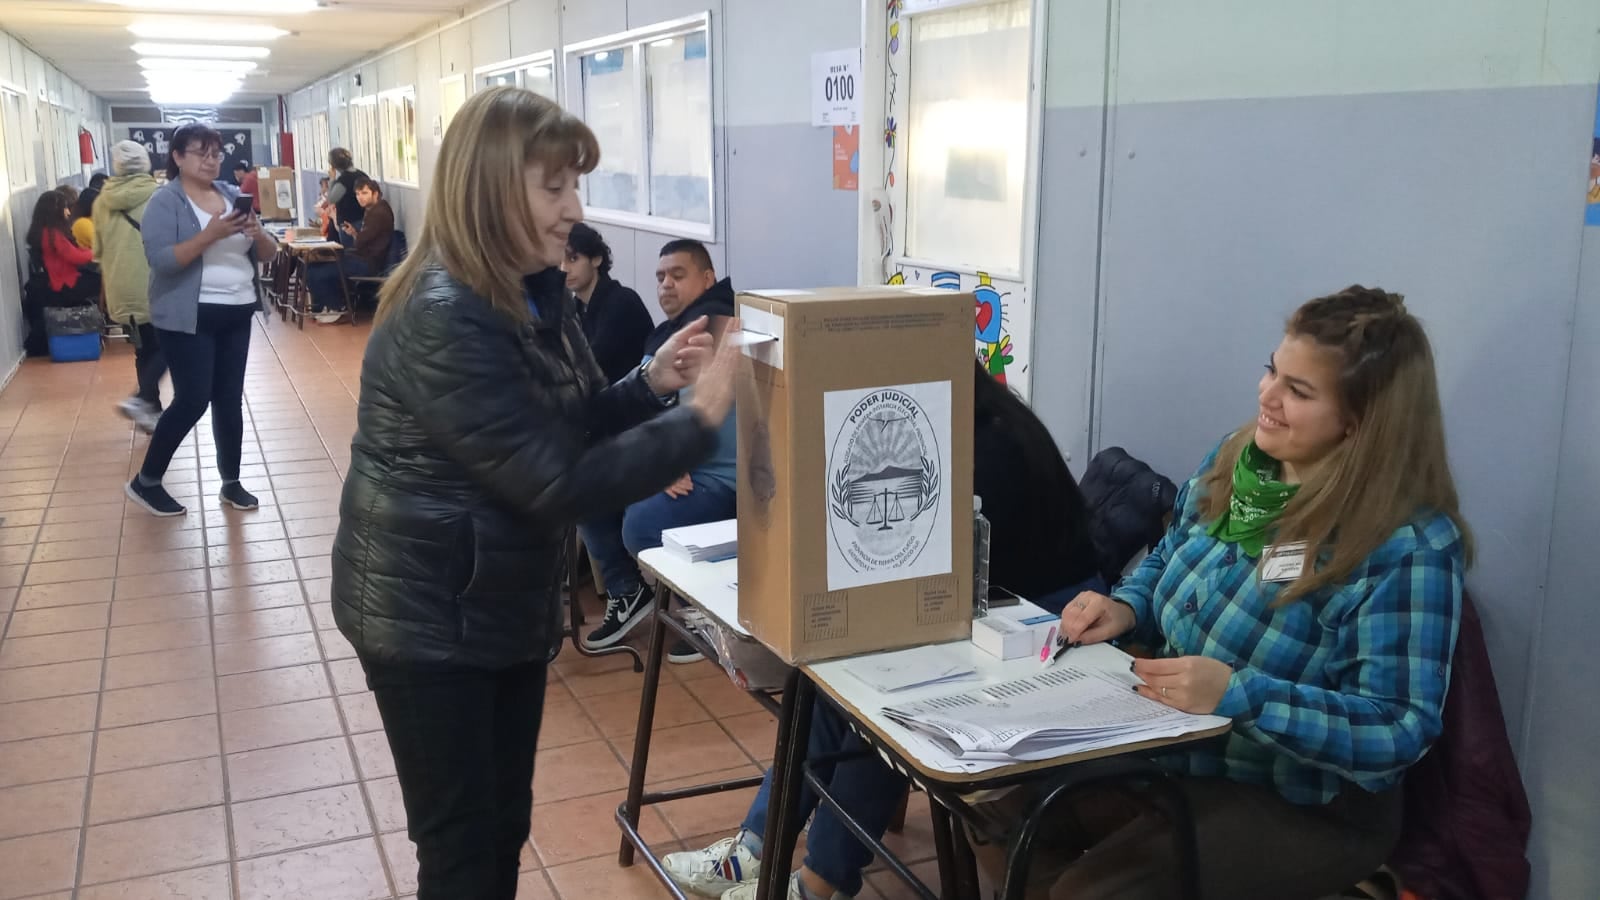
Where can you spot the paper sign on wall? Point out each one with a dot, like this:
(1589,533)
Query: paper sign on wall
(836,87)
(888,452)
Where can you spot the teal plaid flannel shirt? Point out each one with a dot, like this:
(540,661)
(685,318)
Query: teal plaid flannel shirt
(1345,686)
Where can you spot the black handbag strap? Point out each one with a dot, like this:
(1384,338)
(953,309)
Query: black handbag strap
(131,220)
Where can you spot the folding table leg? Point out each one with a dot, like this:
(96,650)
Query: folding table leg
(647,717)
(788,779)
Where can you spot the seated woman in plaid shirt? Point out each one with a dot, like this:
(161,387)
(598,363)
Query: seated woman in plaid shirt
(1334,673)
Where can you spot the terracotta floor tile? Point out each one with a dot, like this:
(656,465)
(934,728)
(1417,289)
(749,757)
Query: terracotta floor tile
(17,502)
(10,536)
(327,480)
(229,601)
(314,567)
(42,862)
(292,467)
(267,653)
(13,575)
(55,680)
(592,685)
(271,687)
(756,732)
(94,512)
(244,554)
(299,820)
(348,676)
(59,619)
(372,753)
(24,517)
(347,871)
(318,590)
(571,830)
(240,532)
(160,584)
(254,573)
(719,814)
(306,529)
(173,635)
(360,712)
(38,486)
(722,696)
(576,770)
(602,877)
(170,842)
(69,593)
(271,726)
(262,623)
(388,808)
(45,759)
(146,610)
(85,548)
(135,793)
(617,714)
(335,645)
(286,770)
(209,883)
(16,554)
(157,703)
(160,561)
(564,723)
(157,667)
(156,743)
(35,808)
(165,540)
(686,750)
(42,718)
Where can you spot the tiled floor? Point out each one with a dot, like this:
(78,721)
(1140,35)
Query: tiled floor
(178,716)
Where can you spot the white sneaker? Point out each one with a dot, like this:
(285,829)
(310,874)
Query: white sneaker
(748,891)
(726,865)
(143,414)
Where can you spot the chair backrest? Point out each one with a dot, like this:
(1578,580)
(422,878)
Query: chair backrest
(397,250)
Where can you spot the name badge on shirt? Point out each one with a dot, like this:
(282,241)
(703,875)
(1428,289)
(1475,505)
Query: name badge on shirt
(1283,562)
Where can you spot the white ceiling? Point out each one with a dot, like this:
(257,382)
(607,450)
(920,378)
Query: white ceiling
(89,39)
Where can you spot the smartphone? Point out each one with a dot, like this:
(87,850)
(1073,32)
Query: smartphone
(244,205)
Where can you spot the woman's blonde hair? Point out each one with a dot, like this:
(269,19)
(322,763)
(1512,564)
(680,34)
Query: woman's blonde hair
(478,224)
(1391,467)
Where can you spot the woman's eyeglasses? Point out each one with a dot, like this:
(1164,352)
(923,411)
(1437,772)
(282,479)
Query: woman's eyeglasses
(214,155)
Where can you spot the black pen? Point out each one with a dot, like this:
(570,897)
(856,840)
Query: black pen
(1061,648)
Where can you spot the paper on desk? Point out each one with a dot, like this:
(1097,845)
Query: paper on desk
(906,669)
(1068,709)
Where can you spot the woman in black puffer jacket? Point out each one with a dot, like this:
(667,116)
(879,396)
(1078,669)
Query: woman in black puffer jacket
(485,430)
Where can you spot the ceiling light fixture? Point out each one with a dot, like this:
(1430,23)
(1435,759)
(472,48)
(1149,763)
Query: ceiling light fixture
(173,64)
(185,31)
(201,51)
(210,7)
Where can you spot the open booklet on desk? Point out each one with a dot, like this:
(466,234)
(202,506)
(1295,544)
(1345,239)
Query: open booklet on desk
(1076,707)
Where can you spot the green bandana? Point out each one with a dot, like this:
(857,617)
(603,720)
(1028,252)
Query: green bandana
(1258,500)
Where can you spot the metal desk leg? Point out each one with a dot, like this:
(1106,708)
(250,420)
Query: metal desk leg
(647,717)
(788,779)
(966,866)
(944,850)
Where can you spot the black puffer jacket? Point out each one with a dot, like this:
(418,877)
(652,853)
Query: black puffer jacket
(478,443)
(1128,502)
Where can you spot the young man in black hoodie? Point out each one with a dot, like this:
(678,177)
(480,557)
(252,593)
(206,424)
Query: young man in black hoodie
(687,288)
(614,318)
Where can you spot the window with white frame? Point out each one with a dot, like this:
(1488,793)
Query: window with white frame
(452,95)
(536,72)
(647,94)
(397,115)
(365,137)
(319,141)
(967,140)
(66,138)
(19,169)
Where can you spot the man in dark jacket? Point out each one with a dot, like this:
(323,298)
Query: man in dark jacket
(342,190)
(366,253)
(687,288)
(614,318)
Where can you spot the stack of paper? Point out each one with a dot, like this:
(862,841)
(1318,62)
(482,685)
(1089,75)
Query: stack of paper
(1068,709)
(710,542)
(907,669)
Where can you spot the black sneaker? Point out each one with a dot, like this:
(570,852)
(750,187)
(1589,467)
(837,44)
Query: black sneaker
(154,499)
(683,653)
(237,497)
(623,614)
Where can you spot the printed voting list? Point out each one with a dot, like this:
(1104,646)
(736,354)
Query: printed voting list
(710,542)
(1068,709)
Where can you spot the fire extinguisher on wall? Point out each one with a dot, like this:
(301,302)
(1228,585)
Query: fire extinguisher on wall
(85,147)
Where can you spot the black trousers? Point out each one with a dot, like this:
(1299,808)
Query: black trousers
(207,370)
(463,742)
(148,362)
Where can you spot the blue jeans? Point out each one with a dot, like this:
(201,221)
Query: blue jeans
(614,540)
(868,787)
(323,279)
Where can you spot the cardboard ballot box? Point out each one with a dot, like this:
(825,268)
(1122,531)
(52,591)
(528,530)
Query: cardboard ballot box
(276,186)
(855,470)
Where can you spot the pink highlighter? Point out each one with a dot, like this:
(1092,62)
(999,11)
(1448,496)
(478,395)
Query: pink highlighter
(1045,652)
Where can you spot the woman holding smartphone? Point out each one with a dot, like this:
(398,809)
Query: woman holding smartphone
(202,240)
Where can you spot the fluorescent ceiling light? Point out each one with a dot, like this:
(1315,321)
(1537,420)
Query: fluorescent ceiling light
(188,31)
(213,8)
(664,42)
(202,95)
(201,51)
(173,64)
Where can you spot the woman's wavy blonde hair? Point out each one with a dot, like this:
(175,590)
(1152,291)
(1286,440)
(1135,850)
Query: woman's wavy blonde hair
(478,224)
(1391,467)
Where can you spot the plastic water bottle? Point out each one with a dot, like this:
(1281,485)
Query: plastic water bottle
(980,560)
